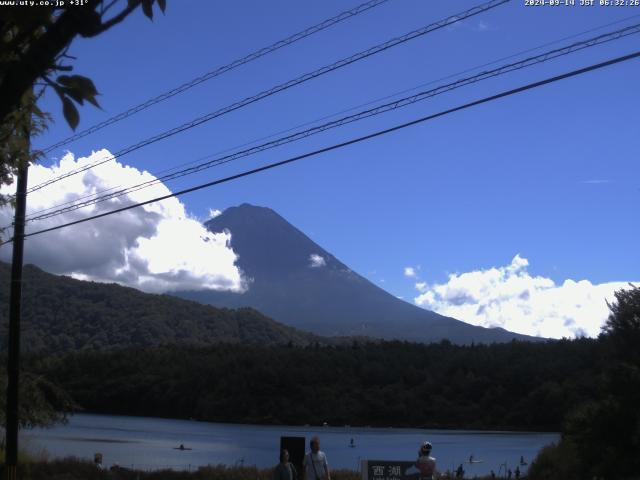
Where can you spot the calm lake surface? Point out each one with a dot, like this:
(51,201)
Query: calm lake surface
(149,443)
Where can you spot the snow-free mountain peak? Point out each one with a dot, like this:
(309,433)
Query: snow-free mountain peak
(294,280)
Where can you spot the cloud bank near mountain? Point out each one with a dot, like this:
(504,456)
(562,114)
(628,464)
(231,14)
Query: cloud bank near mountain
(155,248)
(512,298)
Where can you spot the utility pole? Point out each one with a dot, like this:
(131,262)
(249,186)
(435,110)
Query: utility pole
(13,364)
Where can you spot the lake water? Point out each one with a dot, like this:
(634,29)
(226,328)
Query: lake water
(150,443)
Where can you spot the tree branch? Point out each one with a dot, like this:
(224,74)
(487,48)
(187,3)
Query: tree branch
(103,27)
(108,7)
(41,55)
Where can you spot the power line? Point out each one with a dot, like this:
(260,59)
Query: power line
(471,69)
(371,102)
(355,107)
(284,86)
(219,71)
(353,141)
(403,102)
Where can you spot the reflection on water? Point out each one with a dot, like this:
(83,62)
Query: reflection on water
(151,443)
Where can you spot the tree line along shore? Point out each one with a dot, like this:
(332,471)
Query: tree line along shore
(588,389)
(515,386)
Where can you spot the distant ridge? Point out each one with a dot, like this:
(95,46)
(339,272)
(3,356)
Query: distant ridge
(61,314)
(328,298)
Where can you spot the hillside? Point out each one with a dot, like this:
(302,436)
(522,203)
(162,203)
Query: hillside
(327,298)
(519,385)
(61,314)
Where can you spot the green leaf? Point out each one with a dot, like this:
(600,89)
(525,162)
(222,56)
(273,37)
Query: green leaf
(162,4)
(79,83)
(59,91)
(147,8)
(86,86)
(70,113)
(94,102)
(64,80)
(79,88)
(73,93)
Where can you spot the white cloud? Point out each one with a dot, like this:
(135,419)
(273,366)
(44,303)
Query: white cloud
(213,213)
(421,286)
(156,248)
(595,181)
(482,26)
(511,298)
(410,272)
(316,261)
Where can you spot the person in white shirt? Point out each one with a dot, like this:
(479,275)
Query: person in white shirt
(426,463)
(315,463)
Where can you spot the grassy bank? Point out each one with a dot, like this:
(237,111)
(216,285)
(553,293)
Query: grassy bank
(75,469)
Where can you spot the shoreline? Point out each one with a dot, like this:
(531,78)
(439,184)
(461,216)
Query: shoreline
(150,443)
(330,428)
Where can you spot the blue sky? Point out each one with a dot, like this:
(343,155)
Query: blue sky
(551,174)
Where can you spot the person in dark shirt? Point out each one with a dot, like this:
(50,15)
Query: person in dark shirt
(285,469)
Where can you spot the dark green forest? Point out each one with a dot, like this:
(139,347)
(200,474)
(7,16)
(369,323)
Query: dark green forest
(589,389)
(110,349)
(502,386)
(601,433)
(61,314)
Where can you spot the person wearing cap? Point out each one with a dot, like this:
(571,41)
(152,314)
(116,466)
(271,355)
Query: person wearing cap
(315,463)
(426,463)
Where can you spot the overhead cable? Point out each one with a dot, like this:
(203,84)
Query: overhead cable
(96,194)
(284,86)
(219,71)
(353,141)
(403,102)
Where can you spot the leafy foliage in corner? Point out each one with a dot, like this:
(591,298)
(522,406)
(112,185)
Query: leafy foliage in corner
(21,124)
(34,43)
(43,403)
(601,436)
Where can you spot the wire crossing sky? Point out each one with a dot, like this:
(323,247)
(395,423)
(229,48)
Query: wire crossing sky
(347,143)
(163,175)
(450,20)
(527,62)
(515,213)
(219,71)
